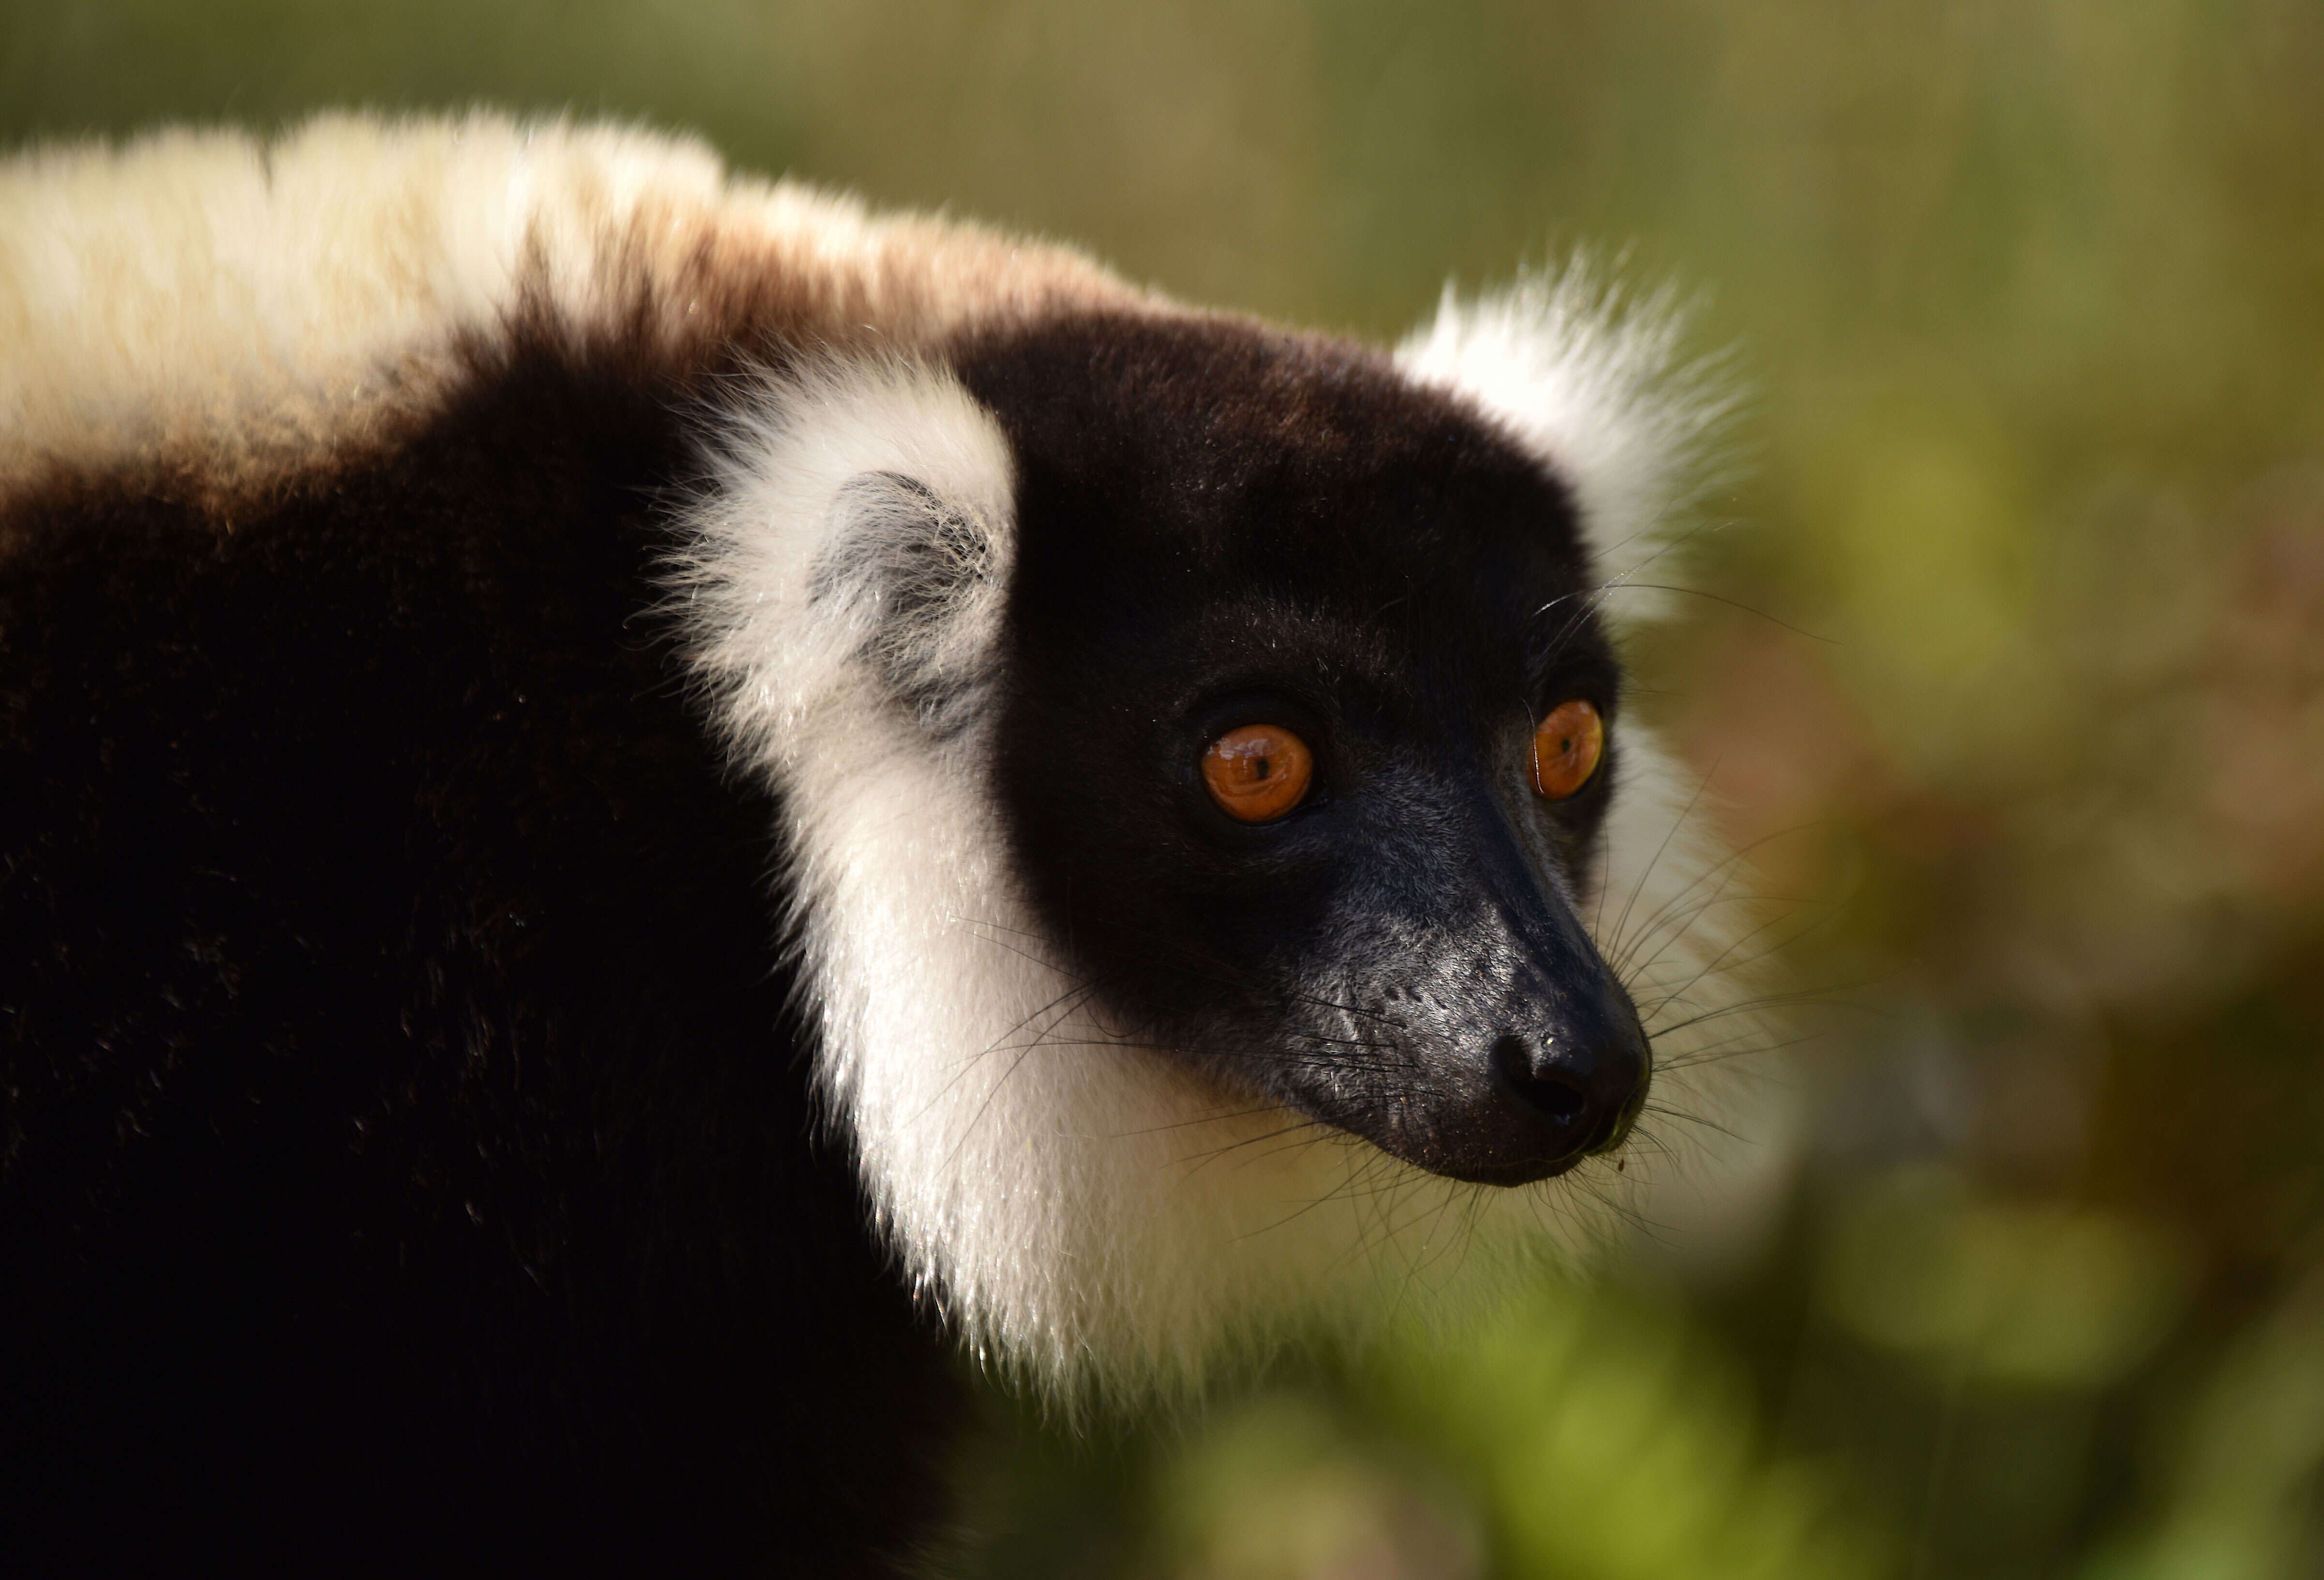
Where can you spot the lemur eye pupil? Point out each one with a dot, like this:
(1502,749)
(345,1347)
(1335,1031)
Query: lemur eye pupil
(1566,747)
(1259,773)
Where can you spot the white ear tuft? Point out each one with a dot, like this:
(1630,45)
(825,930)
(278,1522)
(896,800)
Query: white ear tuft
(851,551)
(1596,383)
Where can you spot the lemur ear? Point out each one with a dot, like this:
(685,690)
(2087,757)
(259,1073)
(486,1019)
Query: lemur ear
(856,534)
(919,573)
(1596,382)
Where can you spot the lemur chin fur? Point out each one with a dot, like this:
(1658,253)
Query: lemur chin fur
(604,783)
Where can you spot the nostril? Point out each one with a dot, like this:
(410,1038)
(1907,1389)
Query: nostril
(1558,1099)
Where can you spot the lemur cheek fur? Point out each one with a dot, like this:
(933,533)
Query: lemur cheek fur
(634,800)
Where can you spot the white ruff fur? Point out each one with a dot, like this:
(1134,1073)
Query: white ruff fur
(1085,1211)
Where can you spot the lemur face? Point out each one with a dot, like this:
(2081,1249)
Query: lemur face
(1304,747)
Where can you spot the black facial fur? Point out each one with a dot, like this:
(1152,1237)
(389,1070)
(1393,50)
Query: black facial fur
(1220,526)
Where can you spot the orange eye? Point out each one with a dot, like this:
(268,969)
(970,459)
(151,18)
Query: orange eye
(1566,746)
(1258,773)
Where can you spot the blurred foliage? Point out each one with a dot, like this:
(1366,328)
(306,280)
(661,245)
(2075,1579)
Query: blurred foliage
(2032,298)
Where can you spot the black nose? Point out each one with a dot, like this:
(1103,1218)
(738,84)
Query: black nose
(1579,1095)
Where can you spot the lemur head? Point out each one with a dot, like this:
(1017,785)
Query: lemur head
(1301,740)
(1205,758)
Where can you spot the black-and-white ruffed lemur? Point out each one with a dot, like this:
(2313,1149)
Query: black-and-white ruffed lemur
(632,801)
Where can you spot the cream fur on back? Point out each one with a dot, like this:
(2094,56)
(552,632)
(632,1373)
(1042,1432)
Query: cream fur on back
(226,311)
(230,307)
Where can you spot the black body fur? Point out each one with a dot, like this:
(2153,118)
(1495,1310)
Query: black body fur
(407,1131)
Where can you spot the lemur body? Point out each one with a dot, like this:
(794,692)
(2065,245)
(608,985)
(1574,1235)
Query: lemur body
(625,806)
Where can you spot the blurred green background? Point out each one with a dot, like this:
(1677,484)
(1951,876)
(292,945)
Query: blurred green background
(2031,299)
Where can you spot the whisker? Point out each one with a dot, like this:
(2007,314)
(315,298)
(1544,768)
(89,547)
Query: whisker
(1721,869)
(1686,811)
(1731,603)
(1694,1119)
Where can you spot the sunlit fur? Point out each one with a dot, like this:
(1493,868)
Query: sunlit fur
(227,309)
(1599,386)
(238,306)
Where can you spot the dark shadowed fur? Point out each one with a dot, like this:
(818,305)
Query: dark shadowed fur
(407,1136)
